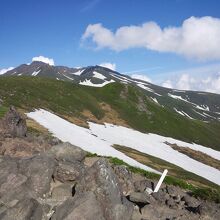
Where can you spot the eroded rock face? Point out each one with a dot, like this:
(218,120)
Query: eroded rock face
(102,181)
(125,178)
(13,124)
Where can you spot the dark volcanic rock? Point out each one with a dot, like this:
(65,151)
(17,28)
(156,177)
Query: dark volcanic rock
(81,207)
(139,198)
(13,124)
(24,210)
(101,180)
(160,196)
(125,178)
(68,152)
(141,185)
(209,210)
(66,171)
(191,201)
(39,170)
(62,192)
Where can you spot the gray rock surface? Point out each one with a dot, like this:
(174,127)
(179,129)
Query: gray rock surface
(39,170)
(81,207)
(62,192)
(13,124)
(138,197)
(101,180)
(124,176)
(68,171)
(24,210)
(68,152)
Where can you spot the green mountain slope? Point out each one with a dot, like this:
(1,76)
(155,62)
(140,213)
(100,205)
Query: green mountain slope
(131,104)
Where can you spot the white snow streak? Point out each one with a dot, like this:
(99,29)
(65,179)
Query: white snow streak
(78,73)
(35,73)
(68,77)
(98,75)
(147,88)
(155,100)
(88,82)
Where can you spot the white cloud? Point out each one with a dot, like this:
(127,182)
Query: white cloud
(185,82)
(44,59)
(210,83)
(111,66)
(196,38)
(3,71)
(141,77)
(167,84)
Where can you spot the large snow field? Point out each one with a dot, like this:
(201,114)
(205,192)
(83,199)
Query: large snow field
(100,138)
(81,137)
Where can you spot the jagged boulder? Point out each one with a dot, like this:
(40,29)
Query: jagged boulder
(81,207)
(102,181)
(142,185)
(125,178)
(39,170)
(140,198)
(13,124)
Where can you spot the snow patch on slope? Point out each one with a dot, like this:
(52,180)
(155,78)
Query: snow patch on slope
(78,73)
(147,88)
(35,73)
(98,75)
(81,137)
(155,100)
(88,82)
(100,138)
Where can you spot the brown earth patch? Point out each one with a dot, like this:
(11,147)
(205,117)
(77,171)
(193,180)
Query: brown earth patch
(111,116)
(197,155)
(33,125)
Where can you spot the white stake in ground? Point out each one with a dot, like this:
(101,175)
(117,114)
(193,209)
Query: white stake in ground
(161,180)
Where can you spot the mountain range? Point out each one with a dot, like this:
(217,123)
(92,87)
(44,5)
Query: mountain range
(112,114)
(190,104)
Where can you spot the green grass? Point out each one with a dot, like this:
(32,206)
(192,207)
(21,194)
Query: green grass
(205,193)
(3,111)
(68,99)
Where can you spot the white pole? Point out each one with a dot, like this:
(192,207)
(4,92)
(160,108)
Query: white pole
(161,180)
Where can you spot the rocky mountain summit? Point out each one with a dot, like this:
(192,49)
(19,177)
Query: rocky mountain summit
(46,179)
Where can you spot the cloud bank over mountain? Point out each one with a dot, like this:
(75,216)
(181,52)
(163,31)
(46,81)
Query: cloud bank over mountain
(111,66)
(196,38)
(43,59)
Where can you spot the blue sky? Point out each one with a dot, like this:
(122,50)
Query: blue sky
(55,28)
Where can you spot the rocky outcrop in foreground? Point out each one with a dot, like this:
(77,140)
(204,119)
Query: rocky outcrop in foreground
(49,180)
(60,185)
